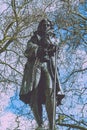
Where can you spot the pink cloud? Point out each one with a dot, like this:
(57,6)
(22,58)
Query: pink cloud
(3,6)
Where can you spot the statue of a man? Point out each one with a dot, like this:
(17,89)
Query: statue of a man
(38,78)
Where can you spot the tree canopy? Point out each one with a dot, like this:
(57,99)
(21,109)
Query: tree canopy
(19,19)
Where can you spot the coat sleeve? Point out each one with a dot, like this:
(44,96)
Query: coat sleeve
(31,50)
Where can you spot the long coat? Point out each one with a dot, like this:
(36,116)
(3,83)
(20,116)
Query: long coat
(32,72)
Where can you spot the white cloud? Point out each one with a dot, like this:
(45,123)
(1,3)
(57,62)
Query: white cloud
(3,6)
(7,121)
(10,121)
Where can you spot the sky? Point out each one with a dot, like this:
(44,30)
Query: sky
(3,6)
(10,110)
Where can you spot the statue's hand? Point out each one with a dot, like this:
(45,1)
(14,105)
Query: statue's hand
(41,52)
(51,50)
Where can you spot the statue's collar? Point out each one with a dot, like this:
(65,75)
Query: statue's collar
(39,37)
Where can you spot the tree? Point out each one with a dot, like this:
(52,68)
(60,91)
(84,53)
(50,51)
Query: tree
(18,21)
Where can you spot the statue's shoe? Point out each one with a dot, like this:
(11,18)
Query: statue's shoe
(41,128)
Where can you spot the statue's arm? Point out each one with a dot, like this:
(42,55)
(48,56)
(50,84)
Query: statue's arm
(31,50)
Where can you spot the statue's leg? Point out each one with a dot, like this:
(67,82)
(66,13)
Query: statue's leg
(48,97)
(36,107)
(59,91)
(49,107)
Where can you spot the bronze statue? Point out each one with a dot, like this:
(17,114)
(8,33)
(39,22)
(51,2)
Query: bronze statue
(38,78)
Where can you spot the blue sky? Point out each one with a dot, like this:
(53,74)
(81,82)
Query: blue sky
(12,106)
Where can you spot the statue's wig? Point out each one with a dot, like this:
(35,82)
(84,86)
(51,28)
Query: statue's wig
(43,25)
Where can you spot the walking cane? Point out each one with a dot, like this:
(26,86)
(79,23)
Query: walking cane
(54,91)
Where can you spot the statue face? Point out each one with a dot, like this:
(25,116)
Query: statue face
(44,27)
(49,25)
(50,29)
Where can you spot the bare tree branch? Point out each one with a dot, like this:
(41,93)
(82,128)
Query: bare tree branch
(72,126)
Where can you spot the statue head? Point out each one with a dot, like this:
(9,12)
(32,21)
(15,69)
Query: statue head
(44,26)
